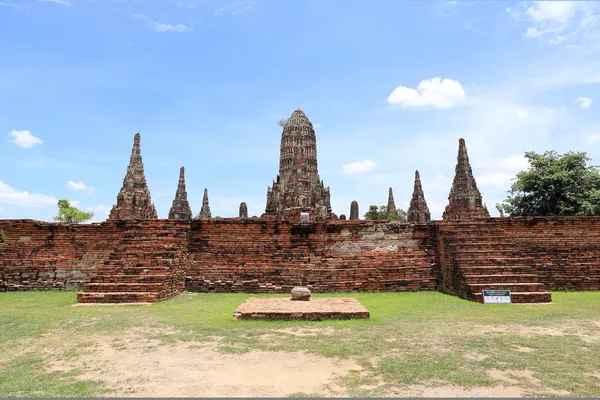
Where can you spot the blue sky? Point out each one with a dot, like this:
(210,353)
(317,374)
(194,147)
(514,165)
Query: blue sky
(389,85)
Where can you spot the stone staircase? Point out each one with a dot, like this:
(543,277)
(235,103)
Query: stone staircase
(138,271)
(483,258)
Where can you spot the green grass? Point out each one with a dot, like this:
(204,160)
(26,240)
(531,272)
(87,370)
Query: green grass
(411,339)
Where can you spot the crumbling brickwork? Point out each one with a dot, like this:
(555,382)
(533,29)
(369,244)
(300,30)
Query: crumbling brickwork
(117,259)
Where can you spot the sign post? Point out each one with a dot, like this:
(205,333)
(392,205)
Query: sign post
(496,297)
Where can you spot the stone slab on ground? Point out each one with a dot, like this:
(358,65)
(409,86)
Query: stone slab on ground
(314,309)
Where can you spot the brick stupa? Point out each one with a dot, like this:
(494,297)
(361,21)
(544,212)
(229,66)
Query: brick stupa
(418,212)
(181,207)
(205,210)
(464,201)
(391,205)
(354,210)
(133,201)
(243,210)
(298,185)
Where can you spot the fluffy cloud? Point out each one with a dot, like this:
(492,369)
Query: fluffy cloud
(79,186)
(557,20)
(99,209)
(358,167)
(435,93)
(9,195)
(584,102)
(170,28)
(24,139)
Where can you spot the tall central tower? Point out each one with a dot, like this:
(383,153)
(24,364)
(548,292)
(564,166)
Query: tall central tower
(298,185)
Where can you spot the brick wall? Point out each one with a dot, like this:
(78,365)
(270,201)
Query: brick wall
(269,256)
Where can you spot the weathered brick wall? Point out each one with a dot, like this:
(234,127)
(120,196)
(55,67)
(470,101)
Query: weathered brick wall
(564,252)
(40,255)
(271,256)
(268,256)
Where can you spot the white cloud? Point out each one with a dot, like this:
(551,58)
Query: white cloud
(497,180)
(170,28)
(61,2)
(593,139)
(244,5)
(358,167)
(9,195)
(24,139)
(584,102)
(80,186)
(219,11)
(436,93)
(513,163)
(557,20)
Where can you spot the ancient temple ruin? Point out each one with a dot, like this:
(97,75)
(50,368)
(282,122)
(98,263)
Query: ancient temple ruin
(133,200)
(181,207)
(243,213)
(297,186)
(205,210)
(391,205)
(418,212)
(354,210)
(464,201)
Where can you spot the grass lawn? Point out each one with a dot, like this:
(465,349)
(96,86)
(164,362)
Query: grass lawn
(422,343)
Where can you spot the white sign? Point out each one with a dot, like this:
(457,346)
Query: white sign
(496,297)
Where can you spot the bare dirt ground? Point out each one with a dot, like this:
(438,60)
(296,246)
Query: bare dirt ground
(136,365)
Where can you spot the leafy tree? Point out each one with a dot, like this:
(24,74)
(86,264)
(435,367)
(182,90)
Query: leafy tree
(68,213)
(281,122)
(2,236)
(555,184)
(381,213)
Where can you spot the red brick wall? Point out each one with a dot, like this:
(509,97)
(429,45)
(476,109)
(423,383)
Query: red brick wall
(40,255)
(564,252)
(270,256)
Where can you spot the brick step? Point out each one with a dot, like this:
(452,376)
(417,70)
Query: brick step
(501,278)
(122,287)
(122,278)
(520,297)
(114,270)
(491,261)
(479,269)
(118,297)
(513,287)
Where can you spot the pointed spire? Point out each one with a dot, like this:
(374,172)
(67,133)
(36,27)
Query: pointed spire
(354,210)
(391,205)
(205,210)
(181,207)
(418,212)
(464,201)
(243,210)
(133,200)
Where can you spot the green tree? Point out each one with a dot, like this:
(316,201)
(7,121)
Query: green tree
(2,236)
(381,213)
(555,184)
(68,213)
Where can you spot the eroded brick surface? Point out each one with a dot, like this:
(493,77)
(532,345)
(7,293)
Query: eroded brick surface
(314,309)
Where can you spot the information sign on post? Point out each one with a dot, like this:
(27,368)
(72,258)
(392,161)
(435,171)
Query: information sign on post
(496,297)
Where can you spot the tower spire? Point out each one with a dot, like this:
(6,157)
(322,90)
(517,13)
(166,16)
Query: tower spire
(391,205)
(464,201)
(418,212)
(298,185)
(133,200)
(181,207)
(205,210)
(354,210)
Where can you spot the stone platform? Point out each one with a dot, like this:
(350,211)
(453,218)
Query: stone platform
(313,309)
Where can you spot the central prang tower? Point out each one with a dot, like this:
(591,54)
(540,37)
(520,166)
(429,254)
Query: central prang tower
(298,186)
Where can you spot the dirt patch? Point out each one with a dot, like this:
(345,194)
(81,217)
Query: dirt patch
(512,376)
(476,356)
(570,329)
(307,331)
(456,391)
(136,366)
